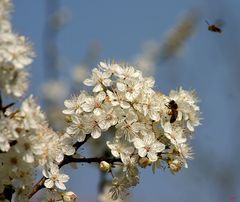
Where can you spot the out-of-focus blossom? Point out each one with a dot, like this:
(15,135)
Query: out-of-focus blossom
(154,52)
(55,90)
(79,73)
(15,54)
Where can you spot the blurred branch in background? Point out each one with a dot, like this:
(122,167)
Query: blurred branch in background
(50,37)
(54,90)
(154,53)
(54,87)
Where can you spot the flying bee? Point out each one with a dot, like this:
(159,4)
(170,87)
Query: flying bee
(172,105)
(214,27)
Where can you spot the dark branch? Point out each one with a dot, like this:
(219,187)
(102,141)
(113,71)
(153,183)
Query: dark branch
(37,187)
(79,144)
(4,109)
(70,159)
(91,160)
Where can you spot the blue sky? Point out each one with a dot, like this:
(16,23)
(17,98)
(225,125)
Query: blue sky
(209,63)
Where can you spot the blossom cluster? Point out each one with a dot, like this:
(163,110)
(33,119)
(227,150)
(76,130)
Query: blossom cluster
(27,143)
(15,54)
(137,121)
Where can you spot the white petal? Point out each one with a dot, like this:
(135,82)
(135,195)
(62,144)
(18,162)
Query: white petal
(129,150)
(101,96)
(45,173)
(167,127)
(121,87)
(60,185)
(138,143)
(28,157)
(89,82)
(48,183)
(72,130)
(180,116)
(115,153)
(81,137)
(142,152)
(63,177)
(54,169)
(68,111)
(97,88)
(104,65)
(97,111)
(158,147)
(189,126)
(68,150)
(124,105)
(59,157)
(69,103)
(152,156)
(155,115)
(125,159)
(96,133)
(107,82)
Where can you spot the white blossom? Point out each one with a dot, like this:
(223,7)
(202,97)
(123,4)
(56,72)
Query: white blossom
(175,135)
(54,177)
(149,105)
(28,147)
(33,117)
(107,118)
(99,80)
(78,128)
(120,148)
(74,105)
(118,99)
(148,146)
(119,188)
(7,132)
(128,127)
(94,103)
(131,88)
(15,54)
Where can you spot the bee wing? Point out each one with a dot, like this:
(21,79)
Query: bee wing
(219,23)
(207,22)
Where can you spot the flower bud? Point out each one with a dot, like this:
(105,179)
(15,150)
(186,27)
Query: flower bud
(175,165)
(105,166)
(144,162)
(69,196)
